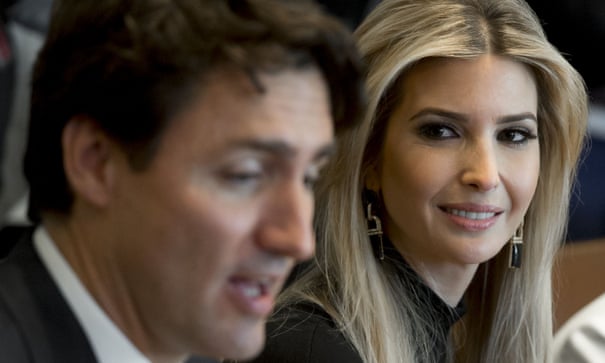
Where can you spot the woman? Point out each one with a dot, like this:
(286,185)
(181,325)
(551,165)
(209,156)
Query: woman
(447,205)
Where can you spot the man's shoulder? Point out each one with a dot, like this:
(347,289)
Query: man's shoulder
(28,334)
(36,323)
(15,246)
(12,345)
(11,235)
(18,264)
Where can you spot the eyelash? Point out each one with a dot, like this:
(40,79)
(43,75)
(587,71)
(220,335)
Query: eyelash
(526,135)
(242,178)
(435,131)
(428,131)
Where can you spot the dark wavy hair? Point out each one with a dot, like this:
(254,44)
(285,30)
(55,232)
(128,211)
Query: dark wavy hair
(130,65)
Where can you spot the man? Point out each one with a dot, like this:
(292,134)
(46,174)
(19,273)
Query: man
(172,151)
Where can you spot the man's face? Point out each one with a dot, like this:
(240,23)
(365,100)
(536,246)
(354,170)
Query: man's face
(204,238)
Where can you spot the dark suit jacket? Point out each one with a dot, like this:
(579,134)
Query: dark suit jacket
(36,323)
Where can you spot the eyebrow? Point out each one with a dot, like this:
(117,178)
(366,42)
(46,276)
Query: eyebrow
(519,117)
(462,117)
(281,148)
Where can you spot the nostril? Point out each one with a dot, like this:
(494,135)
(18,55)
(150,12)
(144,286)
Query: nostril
(287,227)
(287,237)
(481,177)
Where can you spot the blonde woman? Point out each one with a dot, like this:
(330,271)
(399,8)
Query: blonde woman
(439,217)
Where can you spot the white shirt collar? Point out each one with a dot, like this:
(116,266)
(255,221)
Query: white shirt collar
(108,342)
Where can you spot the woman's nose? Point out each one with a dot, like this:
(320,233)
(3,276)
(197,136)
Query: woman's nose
(481,169)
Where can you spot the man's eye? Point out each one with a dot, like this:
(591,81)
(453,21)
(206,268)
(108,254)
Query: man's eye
(247,173)
(242,177)
(314,173)
(437,132)
(310,181)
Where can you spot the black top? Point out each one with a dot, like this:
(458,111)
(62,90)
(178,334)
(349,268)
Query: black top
(441,316)
(305,333)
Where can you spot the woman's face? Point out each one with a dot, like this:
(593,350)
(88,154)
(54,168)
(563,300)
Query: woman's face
(460,160)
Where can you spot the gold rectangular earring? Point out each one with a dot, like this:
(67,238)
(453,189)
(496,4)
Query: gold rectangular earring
(516,248)
(375,232)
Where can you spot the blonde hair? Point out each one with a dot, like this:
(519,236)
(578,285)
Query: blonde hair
(508,315)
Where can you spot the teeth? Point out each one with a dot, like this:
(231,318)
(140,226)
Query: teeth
(471,215)
(252,291)
(254,288)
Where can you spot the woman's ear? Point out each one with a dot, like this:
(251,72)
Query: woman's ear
(87,160)
(371,178)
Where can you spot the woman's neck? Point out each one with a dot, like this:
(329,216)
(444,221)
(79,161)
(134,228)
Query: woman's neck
(449,281)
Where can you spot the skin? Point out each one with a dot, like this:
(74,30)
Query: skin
(188,255)
(463,139)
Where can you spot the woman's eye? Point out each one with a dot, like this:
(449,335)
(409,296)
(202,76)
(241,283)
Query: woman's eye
(516,136)
(437,132)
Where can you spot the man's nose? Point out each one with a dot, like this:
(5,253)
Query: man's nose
(287,228)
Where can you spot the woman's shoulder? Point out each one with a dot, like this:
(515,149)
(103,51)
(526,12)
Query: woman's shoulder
(305,333)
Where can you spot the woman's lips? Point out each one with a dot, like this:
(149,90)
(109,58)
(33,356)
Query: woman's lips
(472,217)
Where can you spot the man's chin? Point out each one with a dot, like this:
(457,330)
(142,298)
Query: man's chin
(244,346)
